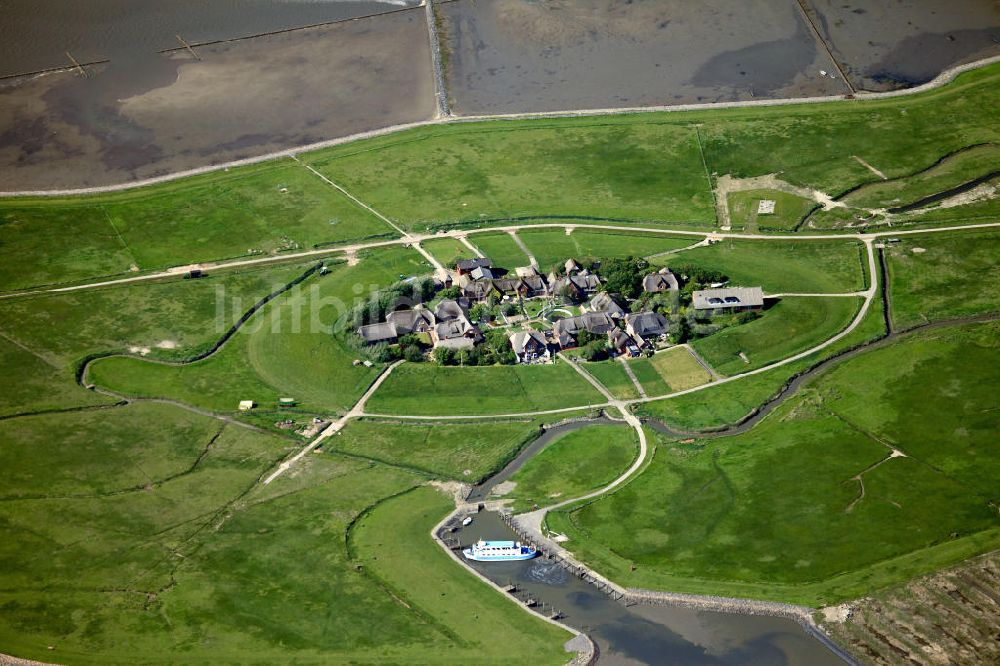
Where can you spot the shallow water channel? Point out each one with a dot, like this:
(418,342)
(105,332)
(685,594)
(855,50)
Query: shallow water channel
(637,634)
(643,634)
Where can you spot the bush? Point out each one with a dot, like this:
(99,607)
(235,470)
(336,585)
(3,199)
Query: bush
(453,292)
(700,274)
(624,276)
(413,353)
(596,350)
(746,316)
(511,308)
(382,353)
(444,356)
(585,337)
(480,312)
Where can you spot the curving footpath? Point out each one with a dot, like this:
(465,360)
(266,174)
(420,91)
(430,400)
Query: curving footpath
(414,240)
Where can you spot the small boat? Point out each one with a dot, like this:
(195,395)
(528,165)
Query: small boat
(466,521)
(499,551)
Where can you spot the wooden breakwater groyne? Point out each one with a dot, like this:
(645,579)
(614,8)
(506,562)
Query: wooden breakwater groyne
(323,24)
(75,66)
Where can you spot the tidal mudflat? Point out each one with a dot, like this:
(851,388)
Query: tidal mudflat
(519,56)
(512,55)
(160,113)
(888,45)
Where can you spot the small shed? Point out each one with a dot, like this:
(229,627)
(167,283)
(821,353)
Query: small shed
(247,405)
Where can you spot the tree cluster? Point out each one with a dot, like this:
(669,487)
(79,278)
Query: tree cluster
(624,276)
(495,350)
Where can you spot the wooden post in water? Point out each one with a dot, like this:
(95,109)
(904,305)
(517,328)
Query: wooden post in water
(76,64)
(188,47)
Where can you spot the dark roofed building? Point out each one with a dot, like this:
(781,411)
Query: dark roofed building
(535,285)
(730,299)
(646,326)
(528,345)
(375,333)
(604,302)
(576,286)
(619,340)
(480,290)
(597,323)
(482,273)
(417,320)
(661,281)
(456,334)
(449,309)
(468,265)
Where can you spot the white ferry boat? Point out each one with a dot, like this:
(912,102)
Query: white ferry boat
(499,551)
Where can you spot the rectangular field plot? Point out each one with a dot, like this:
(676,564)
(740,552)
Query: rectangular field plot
(790,326)
(425,389)
(652,381)
(552,247)
(501,248)
(481,171)
(614,377)
(679,369)
(745,210)
(834,266)
(448,251)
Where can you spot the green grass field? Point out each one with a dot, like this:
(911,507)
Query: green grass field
(944,275)
(482,170)
(448,251)
(789,209)
(791,325)
(614,378)
(143,533)
(287,350)
(814,145)
(426,389)
(149,530)
(826,540)
(209,217)
(502,249)
(577,462)
(43,337)
(680,369)
(552,247)
(465,451)
(727,403)
(951,171)
(462,620)
(650,378)
(834,266)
